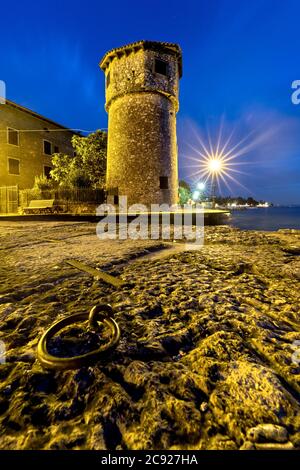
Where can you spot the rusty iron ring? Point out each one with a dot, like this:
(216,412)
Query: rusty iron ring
(99,313)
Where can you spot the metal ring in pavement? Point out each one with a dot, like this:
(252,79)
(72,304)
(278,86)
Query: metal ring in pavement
(99,313)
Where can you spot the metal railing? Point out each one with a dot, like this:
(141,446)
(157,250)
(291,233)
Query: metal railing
(65,197)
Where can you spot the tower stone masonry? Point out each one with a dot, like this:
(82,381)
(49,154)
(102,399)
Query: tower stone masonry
(142,84)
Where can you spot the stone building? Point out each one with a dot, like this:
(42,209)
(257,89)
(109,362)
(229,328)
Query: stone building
(142,81)
(27,141)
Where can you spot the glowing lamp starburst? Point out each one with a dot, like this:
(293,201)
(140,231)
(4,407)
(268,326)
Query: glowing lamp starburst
(214,165)
(214,160)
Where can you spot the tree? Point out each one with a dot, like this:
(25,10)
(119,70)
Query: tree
(87,166)
(184,184)
(42,183)
(184,192)
(251,201)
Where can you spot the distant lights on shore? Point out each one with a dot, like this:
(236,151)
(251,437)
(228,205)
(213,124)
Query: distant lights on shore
(246,205)
(264,204)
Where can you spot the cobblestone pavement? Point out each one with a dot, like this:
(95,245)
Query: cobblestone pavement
(208,357)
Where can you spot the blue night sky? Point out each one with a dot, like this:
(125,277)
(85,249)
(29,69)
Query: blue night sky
(239,60)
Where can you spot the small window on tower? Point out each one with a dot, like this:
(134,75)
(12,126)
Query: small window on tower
(163,182)
(56,149)
(107,79)
(160,66)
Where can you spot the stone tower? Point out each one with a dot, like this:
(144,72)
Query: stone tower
(142,81)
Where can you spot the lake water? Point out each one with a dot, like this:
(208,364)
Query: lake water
(271,218)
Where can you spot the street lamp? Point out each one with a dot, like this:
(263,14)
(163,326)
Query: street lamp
(201,186)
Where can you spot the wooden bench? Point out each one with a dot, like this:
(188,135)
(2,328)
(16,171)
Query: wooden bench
(41,206)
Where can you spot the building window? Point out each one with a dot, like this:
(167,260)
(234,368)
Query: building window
(56,149)
(12,136)
(107,80)
(163,182)
(160,66)
(47,170)
(47,147)
(13,166)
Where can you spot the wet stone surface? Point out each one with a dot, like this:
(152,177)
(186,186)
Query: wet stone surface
(207,357)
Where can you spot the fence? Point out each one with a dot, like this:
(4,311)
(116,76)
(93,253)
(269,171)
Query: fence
(9,199)
(68,198)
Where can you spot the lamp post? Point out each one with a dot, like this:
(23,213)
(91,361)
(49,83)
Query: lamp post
(213,190)
(215,165)
(201,188)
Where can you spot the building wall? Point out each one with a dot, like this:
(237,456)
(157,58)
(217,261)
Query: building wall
(142,145)
(30,151)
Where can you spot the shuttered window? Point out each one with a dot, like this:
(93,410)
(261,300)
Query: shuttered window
(12,136)
(13,166)
(47,170)
(47,147)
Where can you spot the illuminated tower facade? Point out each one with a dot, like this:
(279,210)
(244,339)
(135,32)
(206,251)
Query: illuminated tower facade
(142,83)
